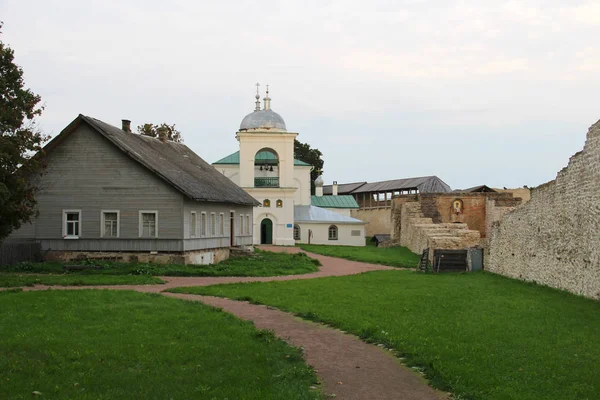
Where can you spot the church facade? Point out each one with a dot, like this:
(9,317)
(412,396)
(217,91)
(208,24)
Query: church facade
(266,169)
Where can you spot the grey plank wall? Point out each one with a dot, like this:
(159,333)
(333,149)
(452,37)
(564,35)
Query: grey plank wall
(88,173)
(195,241)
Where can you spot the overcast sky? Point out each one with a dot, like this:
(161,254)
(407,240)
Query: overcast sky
(475,92)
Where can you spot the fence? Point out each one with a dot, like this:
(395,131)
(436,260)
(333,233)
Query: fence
(15,252)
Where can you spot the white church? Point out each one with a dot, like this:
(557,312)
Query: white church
(265,168)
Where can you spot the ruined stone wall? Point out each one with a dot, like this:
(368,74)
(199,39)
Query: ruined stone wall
(554,239)
(379,220)
(396,214)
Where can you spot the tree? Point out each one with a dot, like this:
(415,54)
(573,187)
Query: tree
(21,142)
(152,130)
(303,152)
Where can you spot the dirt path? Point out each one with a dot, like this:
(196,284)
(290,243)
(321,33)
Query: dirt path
(349,368)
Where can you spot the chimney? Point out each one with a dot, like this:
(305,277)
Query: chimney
(162,134)
(126,125)
(334,189)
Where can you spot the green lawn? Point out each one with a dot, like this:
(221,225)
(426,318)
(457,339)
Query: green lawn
(392,256)
(478,335)
(261,263)
(15,280)
(95,344)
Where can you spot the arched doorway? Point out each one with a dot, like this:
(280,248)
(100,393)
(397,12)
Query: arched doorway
(266,231)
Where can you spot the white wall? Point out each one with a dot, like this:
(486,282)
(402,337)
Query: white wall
(320,234)
(302,182)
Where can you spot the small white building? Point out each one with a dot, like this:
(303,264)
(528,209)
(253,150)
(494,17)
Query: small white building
(265,167)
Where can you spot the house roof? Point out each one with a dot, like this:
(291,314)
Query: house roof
(265,156)
(480,188)
(344,188)
(173,162)
(424,184)
(343,201)
(320,215)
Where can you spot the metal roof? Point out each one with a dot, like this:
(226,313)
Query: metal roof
(234,159)
(344,201)
(344,188)
(173,162)
(267,119)
(321,215)
(480,188)
(425,184)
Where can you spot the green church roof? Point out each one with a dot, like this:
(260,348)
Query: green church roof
(263,156)
(344,201)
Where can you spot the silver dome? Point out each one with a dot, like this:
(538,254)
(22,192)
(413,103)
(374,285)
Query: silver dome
(266,119)
(319,181)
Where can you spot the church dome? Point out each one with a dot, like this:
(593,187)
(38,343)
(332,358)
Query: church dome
(263,119)
(319,181)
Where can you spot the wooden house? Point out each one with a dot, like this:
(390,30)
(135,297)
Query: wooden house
(110,193)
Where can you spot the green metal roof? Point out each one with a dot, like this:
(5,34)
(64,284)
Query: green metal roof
(345,201)
(263,156)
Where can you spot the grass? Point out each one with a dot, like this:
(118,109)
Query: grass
(95,344)
(261,263)
(478,335)
(392,256)
(17,280)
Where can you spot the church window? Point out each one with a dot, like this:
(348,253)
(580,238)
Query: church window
(279,203)
(296,232)
(333,232)
(266,203)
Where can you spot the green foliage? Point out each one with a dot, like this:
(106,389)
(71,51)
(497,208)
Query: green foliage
(123,345)
(303,152)
(392,256)
(20,140)
(261,263)
(479,335)
(156,131)
(19,280)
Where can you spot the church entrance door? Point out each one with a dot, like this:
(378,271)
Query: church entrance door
(266,231)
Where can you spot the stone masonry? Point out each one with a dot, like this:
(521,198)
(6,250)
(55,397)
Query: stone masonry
(554,239)
(419,232)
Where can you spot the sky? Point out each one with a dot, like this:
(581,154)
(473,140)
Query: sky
(476,92)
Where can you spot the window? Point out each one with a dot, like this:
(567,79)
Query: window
(266,203)
(221,224)
(193,224)
(247,225)
(71,224)
(333,232)
(110,223)
(241,225)
(296,232)
(355,233)
(203,223)
(213,225)
(148,223)
(279,203)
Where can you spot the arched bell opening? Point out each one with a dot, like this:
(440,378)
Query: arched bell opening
(266,168)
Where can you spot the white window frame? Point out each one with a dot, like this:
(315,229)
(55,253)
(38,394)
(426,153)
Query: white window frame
(241,225)
(203,222)
(297,229)
(141,227)
(247,224)
(213,224)
(193,224)
(221,224)
(103,224)
(337,232)
(64,218)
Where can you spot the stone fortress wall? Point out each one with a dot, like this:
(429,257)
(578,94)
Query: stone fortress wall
(554,239)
